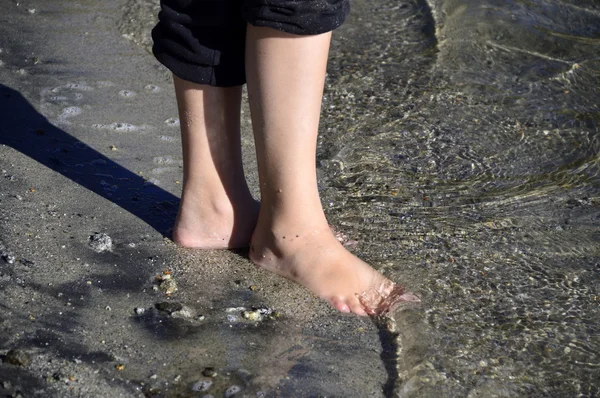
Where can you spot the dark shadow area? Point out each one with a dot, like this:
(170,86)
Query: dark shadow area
(16,381)
(24,129)
(389,355)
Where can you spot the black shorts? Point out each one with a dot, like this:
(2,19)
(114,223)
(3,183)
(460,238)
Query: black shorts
(203,41)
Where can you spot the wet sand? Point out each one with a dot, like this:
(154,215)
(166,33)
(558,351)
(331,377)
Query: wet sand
(90,177)
(459,147)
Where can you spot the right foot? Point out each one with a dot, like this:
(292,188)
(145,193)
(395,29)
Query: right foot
(219,226)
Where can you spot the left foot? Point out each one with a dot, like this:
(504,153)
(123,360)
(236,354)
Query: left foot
(315,259)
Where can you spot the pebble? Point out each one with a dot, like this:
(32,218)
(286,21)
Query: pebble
(202,385)
(259,314)
(209,372)
(7,257)
(139,310)
(100,242)
(168,286)
(169,307)
(18,358)
(231,391)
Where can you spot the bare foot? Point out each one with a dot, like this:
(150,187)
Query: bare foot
(344,239)
(215,226)
(315,259)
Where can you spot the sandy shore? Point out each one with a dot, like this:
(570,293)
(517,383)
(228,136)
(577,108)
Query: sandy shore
(458,145)
(90,176)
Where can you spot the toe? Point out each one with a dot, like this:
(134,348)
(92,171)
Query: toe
(357,308)
(339,305)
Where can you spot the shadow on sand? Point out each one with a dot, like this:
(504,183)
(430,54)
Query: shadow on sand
(24,129)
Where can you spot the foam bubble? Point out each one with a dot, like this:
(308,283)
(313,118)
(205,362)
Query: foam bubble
(152,88)
(121,127)
(77,86)
(161,170)
(168,138)
(172,121)
(69,112)
(126,93)
(108,187)
(104,83)
(163,160)
(153,181)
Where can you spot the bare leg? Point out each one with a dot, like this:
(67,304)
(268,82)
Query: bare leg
(217,209)
(286,76)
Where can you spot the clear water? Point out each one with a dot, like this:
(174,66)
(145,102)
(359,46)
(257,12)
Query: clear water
(461,145)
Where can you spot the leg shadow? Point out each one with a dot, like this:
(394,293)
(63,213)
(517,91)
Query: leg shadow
(27,131)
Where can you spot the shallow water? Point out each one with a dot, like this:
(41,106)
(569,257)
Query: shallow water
(460,145)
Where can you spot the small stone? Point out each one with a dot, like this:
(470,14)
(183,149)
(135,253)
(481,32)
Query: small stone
(259,314)
(9,258)
(231,391)
(209,372)
(120,367)
(100,242)
(184,312)
(252,315)
(18,358)
(202,385)
(231,318)
(169,307)
(139,310)
(27,263)
(177,379)
(168,286)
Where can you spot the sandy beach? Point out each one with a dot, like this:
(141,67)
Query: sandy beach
(463,172)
